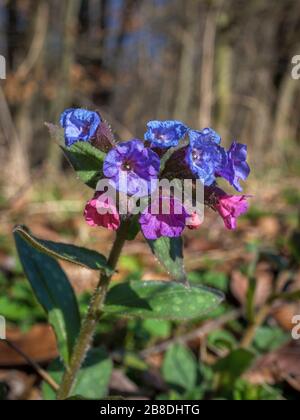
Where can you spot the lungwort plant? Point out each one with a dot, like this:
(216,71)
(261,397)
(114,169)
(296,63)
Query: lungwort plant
(158,187)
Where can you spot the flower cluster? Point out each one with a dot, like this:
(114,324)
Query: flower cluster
(134,168)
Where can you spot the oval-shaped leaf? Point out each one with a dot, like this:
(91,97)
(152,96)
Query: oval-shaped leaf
(180,368)
(87,161)
(66,252)
(93,378)
(169,252)
(160,300)
(234,365)
(54,292)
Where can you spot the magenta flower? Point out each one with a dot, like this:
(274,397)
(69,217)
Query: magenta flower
(194,222)
(101,211)
(166,217)
(132,168)
(230,207)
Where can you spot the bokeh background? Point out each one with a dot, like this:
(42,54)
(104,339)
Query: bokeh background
(224,64)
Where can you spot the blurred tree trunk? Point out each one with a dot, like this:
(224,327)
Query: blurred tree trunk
(3,31)
(224,89)
(208,62)
(206,96)
(284,130)
(12,33)
(116,66)
(70,13)
(27,75)
(103,22)
(128,9)
(186,79)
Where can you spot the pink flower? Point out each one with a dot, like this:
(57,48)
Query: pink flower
(230,207)
(194,222)
(101,211)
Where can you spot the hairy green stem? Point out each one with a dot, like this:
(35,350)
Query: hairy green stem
(92,318)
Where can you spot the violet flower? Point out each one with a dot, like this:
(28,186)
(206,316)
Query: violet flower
(166,217)
(132,168)
(237,167)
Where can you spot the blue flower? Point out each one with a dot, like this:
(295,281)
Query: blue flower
(165,134)
(205,157)
(209,134)
(132,168)
(79,125)
(237,167)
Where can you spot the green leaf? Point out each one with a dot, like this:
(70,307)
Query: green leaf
(93,378)
(210,278)
(245,391)
(54,292)
(160,300)
(14,311)
(270,338)
(232,367)
(237,362)
(250,299)
(157,328)
(70,253)
(222,339)
(180,368)
(294,245)
(169,252)
(87,161)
